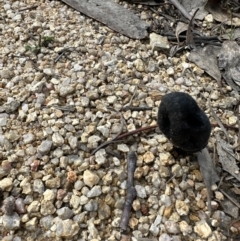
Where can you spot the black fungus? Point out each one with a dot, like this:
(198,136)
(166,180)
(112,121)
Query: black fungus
(183,122)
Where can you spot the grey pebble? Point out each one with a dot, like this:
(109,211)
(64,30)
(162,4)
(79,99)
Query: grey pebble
(67,228)
(11,222)
(28,138)
(64,213)
(46,222)
(95,192)
(38,186)
(45,147)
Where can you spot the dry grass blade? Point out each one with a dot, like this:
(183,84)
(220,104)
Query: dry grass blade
(208,172)
(189,40)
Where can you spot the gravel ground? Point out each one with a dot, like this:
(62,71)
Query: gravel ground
(58,105)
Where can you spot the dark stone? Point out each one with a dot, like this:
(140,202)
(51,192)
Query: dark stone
(183,122)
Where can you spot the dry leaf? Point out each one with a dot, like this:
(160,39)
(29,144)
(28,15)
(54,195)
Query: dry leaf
(220,13)
(229,63)
(181,27)
(227,158)
(112,15)
(206,59)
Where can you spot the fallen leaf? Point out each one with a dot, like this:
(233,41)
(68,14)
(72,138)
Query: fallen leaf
(220,12)
(112,15)
(229,63)
(206,59)
(227,157)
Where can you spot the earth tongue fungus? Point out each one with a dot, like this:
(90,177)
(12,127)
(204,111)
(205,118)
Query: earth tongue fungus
(183,122)
(188,127)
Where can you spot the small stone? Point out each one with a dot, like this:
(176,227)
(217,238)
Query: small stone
(177,170)
(95,192)
(182,207)
(139,64)
(46,222)
(5,168)
(66,90)
(31,225)
(75,201)
(209,18)
(166,158)
(77,67)
(104,211)
(83,200)
(104,130)
(38,186)
(3,119)
(85,101)
(179,81)
(232,120)
(91,206)
(8,207)
(202,229)
(93,139)
(45,147)
(214,95)
(90,178)
(65,213)
(156,180)
(170,71)
(141,192)
(49,195)
(148,157)
(100,157)
(6,74)
(93,232)
(47,208)
(73,142)
(37,88)
(154,230)
(78,185)
(20,206)
(122,147)
(112,99)
(67,228)
(33,207)
(158,42)
(57,139)
(171,227)
(28,138)
(12,136)
(185,228)
(31,117)
(136,205)
(11,222)
(165,237)
(53,183)
(6,183)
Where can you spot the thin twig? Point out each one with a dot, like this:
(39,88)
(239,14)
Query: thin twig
(63,52)
(136,108)
(131,191)
(230,198)
(189,36)
(117,138)
(28,8)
